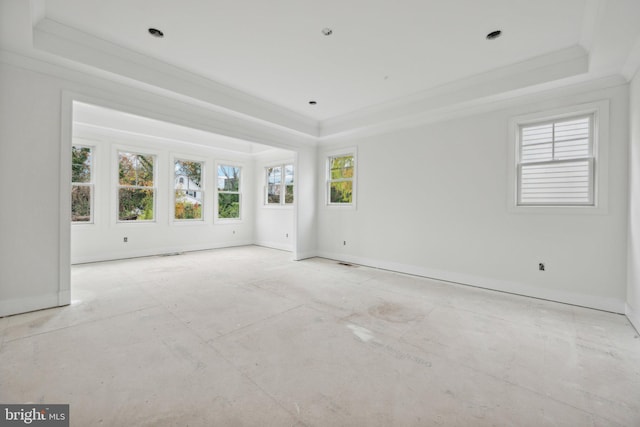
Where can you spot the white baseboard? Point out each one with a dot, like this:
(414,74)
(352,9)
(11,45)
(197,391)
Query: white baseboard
(601,303)
(275,245)
(633,316)
(299,256)
(23,305)
(154,251)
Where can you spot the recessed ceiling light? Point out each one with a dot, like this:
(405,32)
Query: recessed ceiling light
(494,35)
(312,102)
(327,31)
(156,32)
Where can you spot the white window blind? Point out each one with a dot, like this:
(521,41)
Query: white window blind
(556,162)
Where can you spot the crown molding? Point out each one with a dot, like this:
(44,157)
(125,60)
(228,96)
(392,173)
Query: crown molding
(562,64)
(632,65)
(512,99)
(91,86)
(75,45)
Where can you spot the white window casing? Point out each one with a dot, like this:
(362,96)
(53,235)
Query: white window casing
(558,160)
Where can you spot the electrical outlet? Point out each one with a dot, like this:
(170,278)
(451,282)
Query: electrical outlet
(541,266)
(344,243)
(126,239)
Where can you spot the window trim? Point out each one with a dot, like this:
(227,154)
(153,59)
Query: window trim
(348,151)
(91,184)
(117,149)
(283,185)
(216,219)
(599,111)
(173,157)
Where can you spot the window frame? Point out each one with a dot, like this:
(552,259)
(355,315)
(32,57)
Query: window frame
(173,158)
(351,151)
(216,218)
(283,185)
(118,186)
(599,111)
(90,184)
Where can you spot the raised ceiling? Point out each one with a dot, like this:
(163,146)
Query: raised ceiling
(268,59)
(275,49)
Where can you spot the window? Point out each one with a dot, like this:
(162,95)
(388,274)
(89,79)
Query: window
(229,196)
(556,162)
(279,189)
(136,190)
(340,179)
(188,187)
(81,184)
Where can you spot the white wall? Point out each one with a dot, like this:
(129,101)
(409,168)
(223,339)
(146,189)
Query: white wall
(433,201)
(30,214)
(633,280)
(274,224)
(104,238)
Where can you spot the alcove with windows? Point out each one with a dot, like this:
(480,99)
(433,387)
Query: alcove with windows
(144,187)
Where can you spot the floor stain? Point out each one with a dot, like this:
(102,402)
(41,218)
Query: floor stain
(395,313)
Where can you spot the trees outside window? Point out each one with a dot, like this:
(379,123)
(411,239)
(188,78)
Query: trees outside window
(229,194)
(340,179)
(136,190)
(81,184)
(189,194)
(279,189)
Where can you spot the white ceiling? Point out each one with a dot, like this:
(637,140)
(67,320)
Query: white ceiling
(265,59)
(275,49)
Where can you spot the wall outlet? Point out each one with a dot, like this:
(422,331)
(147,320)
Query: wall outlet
(541,266)
(344,243)
(125,239)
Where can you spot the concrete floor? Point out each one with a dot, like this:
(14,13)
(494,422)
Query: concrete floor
(243,336)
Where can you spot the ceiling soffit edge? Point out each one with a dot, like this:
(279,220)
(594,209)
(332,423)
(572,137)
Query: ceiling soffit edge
(67,42)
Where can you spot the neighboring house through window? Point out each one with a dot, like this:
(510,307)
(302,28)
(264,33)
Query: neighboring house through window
(189,196)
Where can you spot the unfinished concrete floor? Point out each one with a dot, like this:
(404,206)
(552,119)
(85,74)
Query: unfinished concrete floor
(243,336)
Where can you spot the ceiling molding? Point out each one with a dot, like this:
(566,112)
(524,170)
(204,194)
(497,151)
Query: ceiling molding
(502,101)
(67,42)
(632,64)
(118,93)
(483,87)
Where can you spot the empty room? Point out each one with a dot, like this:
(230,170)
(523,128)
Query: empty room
(339,213)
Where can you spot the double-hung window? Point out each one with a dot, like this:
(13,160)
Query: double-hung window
(136,187)
(279,189)
(82,186)
(556,162)
(229,192)
(340,179)
(188,186)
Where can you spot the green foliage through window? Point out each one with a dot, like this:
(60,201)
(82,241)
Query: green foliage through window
(341,169)
(136,193)
(228,192)
(82,186)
